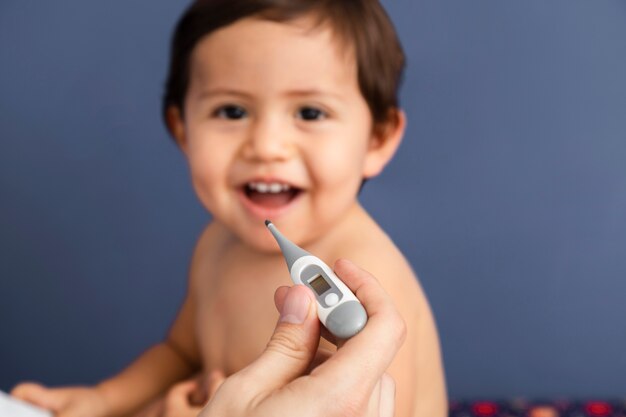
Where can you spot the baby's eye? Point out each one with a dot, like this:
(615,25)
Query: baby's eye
(311,113)
(230,111)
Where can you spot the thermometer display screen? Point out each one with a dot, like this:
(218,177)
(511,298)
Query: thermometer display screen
(319,284)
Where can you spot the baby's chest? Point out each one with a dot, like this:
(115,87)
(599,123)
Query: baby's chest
(236,320)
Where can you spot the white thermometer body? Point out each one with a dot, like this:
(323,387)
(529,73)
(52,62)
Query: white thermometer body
(337,307)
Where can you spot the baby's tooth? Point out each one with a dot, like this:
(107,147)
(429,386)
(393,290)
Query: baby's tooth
(262,187)
(275,187)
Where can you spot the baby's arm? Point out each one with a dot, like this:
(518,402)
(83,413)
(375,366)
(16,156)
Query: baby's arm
(172,360)
(151,374)
(157,369)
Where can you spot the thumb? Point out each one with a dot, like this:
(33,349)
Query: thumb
(293,345)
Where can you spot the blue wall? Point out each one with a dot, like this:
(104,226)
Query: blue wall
(508,195)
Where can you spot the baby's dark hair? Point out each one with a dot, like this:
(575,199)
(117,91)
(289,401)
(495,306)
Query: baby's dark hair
(362,24)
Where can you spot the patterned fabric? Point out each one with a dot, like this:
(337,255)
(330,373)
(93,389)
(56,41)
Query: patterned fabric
(523,408)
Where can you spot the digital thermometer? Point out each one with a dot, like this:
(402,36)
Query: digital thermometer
(337,307)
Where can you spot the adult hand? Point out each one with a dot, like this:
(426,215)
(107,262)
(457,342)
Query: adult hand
(352,382)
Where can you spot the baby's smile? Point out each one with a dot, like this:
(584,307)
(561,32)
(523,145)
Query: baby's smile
(269,198)
(270,195)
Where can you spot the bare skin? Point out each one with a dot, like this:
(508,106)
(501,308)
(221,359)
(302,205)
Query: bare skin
(293,115)
(417,367)
(224,338)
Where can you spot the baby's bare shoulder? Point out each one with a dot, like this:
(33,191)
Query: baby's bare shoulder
(206,254)
(373,250)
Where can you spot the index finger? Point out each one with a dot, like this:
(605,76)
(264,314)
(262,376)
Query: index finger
(367,355)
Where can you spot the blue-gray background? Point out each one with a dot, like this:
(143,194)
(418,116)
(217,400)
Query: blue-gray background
(508,195)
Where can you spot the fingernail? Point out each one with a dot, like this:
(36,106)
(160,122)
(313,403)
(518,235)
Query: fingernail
(296,307)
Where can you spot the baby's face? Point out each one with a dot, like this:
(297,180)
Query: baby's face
(275,127)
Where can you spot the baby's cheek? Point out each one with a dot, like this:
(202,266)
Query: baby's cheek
(334,164)
(340,174)
(205,180)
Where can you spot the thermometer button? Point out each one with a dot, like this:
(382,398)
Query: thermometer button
(331,299)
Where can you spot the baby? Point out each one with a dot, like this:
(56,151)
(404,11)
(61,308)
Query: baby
(282,109)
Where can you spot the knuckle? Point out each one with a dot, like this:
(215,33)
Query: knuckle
(286,341)
(398,329)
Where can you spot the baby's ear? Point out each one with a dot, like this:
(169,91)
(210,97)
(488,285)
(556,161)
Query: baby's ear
(386,138)
(176,125)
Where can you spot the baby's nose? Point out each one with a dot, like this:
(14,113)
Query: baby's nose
(269,140)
